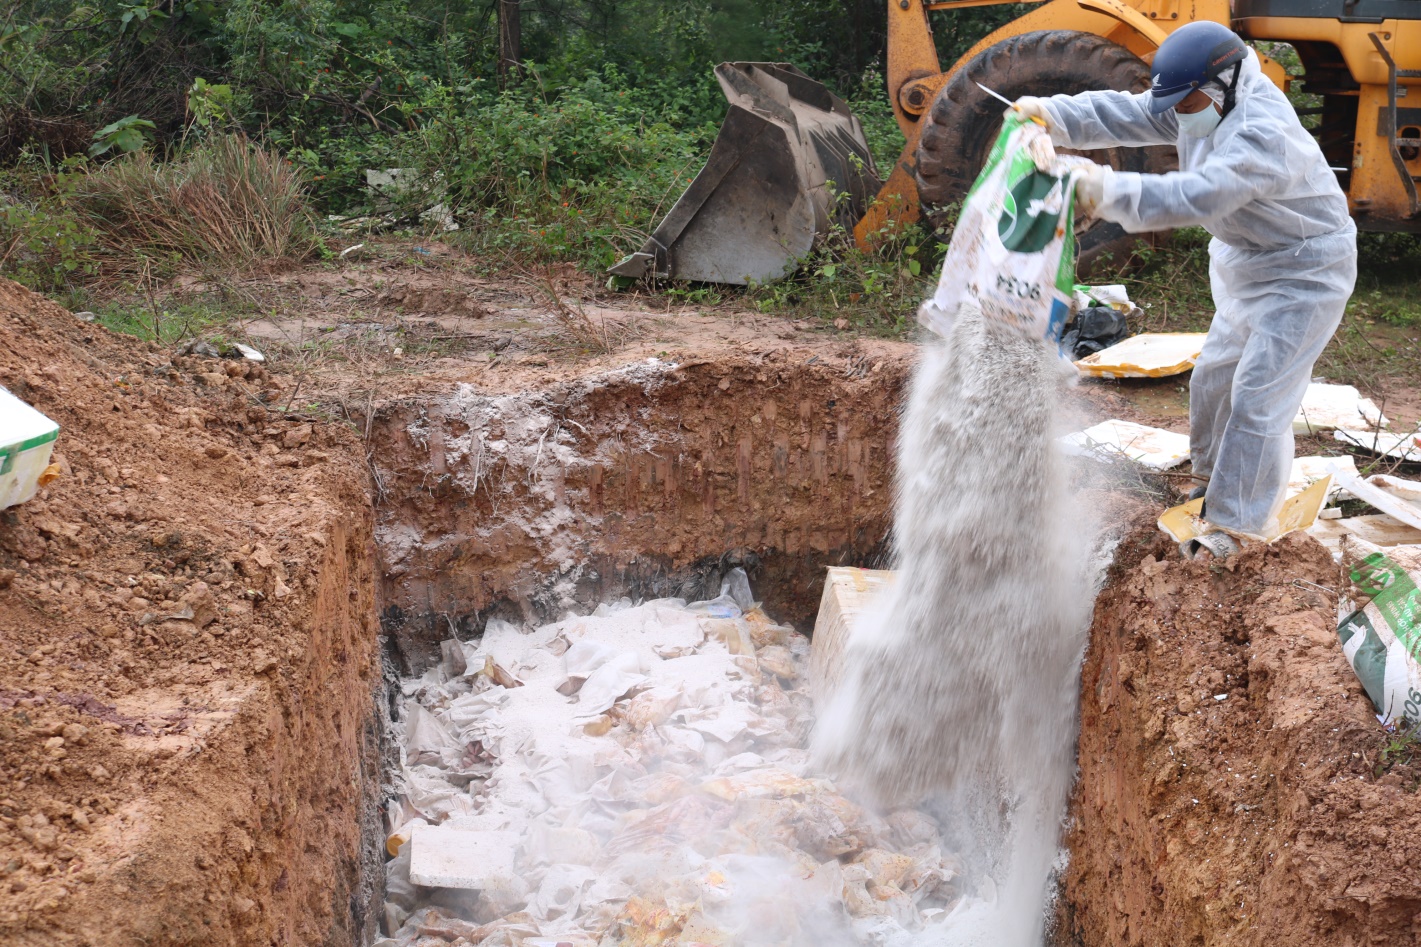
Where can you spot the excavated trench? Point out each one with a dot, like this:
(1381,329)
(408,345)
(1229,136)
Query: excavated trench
(220,782)
(650,480)
(1197,819)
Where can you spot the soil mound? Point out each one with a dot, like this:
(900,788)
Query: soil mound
(187,653)
(1233,785)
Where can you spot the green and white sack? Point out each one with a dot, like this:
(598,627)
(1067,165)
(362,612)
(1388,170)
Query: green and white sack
(1379,624)
(1013,253)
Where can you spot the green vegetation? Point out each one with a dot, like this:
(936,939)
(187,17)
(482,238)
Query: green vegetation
(222,199)
(1170,282)
(142,138)
(117,115)
(221,202)
(165,323)
(1399,753)
(1386,282)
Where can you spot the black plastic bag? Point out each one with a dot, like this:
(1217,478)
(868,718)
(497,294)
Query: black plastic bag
(1095,328)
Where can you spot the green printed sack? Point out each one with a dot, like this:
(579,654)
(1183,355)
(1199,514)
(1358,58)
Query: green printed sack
(1379,625)
(1013,253)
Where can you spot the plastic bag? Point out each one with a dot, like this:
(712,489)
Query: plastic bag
(1013,253)
(1095,328)
(1380,626)
(427,740)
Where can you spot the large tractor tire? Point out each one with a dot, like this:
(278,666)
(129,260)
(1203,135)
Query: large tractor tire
(963,122)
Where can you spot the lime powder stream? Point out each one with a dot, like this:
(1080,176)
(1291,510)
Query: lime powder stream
(961,684)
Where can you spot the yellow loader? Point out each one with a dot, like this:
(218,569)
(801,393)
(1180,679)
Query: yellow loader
(1361,59)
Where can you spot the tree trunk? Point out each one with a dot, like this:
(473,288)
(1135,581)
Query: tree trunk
(510,38)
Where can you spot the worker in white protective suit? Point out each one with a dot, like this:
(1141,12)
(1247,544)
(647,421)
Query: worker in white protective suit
(1282,262)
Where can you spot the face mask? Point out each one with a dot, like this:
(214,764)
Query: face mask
(1199,124)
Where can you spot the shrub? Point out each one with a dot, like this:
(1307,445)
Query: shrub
(225,200)
(44,245)
(581,176)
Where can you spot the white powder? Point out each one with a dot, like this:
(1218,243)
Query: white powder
(962,680)
(695,807)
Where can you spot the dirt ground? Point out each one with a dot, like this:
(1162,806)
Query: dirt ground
(188,617)
(401,312)
(187,654)
(1232,788)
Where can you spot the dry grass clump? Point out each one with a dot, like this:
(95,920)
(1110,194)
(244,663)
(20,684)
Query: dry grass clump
(575,325)
(227,201)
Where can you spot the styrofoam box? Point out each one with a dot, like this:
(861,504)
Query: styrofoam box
(847,593)
(26,442)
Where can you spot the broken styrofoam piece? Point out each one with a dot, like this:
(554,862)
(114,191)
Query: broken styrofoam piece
(1308,470)
(405,186)
(444,857)
(1408,490)
(401,182)
(248,353)
(1150,447)
(440,217)
(1405,447)
(1149,355)
(1376,528)
(1397,505)
(1328,407)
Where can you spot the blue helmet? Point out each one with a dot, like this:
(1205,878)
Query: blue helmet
(1190,57)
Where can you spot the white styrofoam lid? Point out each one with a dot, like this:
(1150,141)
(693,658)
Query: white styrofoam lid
(1328,407)
(20,423)
(1150,446)
(443,857)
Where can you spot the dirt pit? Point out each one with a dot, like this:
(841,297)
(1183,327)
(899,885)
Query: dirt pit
(650,480)
(194,617)
(191,695)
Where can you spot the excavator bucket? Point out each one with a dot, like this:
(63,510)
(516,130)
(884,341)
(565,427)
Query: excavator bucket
(790,160)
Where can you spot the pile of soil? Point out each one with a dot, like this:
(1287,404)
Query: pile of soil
(187,653)
(1233,787)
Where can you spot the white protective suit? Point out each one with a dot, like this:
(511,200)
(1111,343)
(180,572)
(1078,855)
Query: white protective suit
(1282,264)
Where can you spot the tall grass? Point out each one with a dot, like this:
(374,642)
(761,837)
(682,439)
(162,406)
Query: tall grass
(227,201)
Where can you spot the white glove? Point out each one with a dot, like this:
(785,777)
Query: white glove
(1029,106)
(1090,187)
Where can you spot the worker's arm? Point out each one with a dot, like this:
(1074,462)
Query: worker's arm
(1106,119)
(1245,165)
